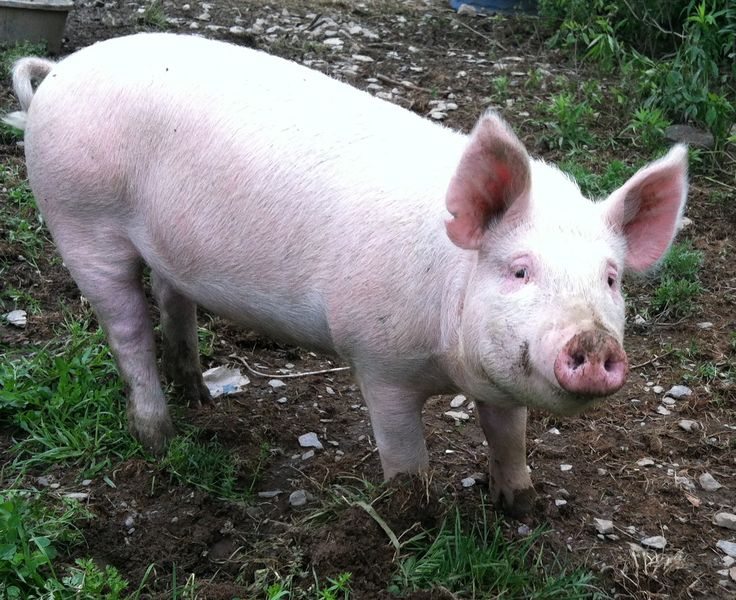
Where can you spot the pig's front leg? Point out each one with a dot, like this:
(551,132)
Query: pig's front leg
(505,430)
(396,417)
(181,348)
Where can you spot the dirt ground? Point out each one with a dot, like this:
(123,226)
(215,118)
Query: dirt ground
(420,53)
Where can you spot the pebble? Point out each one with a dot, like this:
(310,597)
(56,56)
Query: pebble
(602,471)
(727,547)
(658,389)
(524,529)
(457,401)
(333,42)
(237,30)
(559,502)
(685,482)
(310,440)
(308,454)
(669,401)
(639,320)
(468,482)
(362,58)
(204,17)
(269,493)
(688,425)
(458,415)
(554,431)
(663,410)
(276,383)
(128,522)
(603,526)
(724,519)
(728,561)
(17,318)
(86,482)
(77,495)
(298,498)
(282,400)
(645,462)
(709,483)
(565,467)
(679,391)
(657,542)
(43,481)
(705,325)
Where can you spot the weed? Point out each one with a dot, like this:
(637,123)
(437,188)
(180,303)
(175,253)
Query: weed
(501,85)
(154,16)
(595,185)
(648,125)
(89,582)
(568,124)
(680,284)
(338,588)
(534,79)
(12,53)
(21,299)
(480,563)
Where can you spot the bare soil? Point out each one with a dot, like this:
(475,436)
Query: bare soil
(423,52)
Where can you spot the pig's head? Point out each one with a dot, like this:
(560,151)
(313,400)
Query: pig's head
(543,315)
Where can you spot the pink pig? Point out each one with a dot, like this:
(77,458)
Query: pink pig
(310,211)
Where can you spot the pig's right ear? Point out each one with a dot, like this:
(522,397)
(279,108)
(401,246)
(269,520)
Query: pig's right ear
(493,176)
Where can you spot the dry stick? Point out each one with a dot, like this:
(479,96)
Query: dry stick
(490,40)
(651,360)
(406,84)
(287,375)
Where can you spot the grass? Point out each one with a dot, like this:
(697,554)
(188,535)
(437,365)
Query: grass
(10,54)
(22,225)
(568,122)
(598,185)
(680,286)
(479,563)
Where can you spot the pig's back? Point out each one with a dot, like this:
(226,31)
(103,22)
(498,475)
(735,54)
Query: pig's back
(260,188)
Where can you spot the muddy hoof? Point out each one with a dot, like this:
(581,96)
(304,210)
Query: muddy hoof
(522,504)
(154,436)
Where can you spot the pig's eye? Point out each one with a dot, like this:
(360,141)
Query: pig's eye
(611,281)
(520,273)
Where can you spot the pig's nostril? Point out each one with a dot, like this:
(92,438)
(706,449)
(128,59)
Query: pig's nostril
(577,360)
(609,365)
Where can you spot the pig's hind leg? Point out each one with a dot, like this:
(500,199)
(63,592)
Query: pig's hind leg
(107,270)
(181,349)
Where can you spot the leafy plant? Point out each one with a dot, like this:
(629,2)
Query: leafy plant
(501,85)
(648,126)
(568,124)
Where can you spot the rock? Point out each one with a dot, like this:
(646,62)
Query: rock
(663,410)
(205,16)
(77,496)
(603,526)
(657,542)
(310,440)
(690,135)
(362,58)
(524,529)
(724,519)
(298,498)
(658,389)
(709,483)
(466,10)
(554,431)
(457,401)
(457,415)
(636,548)
(276,383)
(17,318)
(333,42)
(282,400)
(727,547)
(237,30)
(688,425)
(565,467)
(705,325)
(679,391)
(640,321)
(645,462)
(269,493)
(128,522)
(685,482)
(601,471)
(732,573)
(468,482)
(560,502)
(669,402)
(728,561)
(308,454)
(87,482)
(43,481)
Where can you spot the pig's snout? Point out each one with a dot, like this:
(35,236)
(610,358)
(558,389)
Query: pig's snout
(592,363)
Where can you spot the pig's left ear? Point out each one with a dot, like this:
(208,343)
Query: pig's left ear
(493,176)
(648,207)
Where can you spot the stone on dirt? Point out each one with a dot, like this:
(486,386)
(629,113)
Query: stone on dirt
(276,383)
(298,498)
(727,547)
(468,482)
(658,389)
(457,401)
(457,415)
(688,425)
(310,440)
(657,542)
(724,519)
(17,318)
(689,135)
(565,467)
(269,493)
(709,483)
(679,391)
(603,526)
(645,462)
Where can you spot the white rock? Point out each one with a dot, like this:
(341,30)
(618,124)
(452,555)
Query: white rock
(669,402)
(438,115)
(645,462)
(724,519)
(601,471)
(705,325)
(362,58)
(603,526)
(204,17)
(128,522)
(658,389)
(657,542)
(728,561)
(565,467)
(466,10)
(554,431)
(468,482)
(458,415)
(727,547)
(193,25)
(685,482)
(298,498)
(77,495)
(87,482)
(276,383)
(688,425)
(333,42)
(282,400)
(237,30)
(663,410)
(639,320)
(17,318)
(308,454)
(269,493)
(186,7)
(559,502)
(679,391)
(524,529)
(310,440)
(709,483)
(457,401)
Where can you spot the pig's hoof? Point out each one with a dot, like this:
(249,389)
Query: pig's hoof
(197,395)
(154,436)
(521,504)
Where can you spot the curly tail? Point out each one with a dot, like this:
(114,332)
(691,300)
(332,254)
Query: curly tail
(25,72)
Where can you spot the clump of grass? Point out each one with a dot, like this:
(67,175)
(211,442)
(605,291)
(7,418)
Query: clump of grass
(68,400)
(154,16)
(679,287)
(479,563)
(648,126)
(568,124)
(594,185)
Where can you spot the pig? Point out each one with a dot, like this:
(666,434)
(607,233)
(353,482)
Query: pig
(430,261)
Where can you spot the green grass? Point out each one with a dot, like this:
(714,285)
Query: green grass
(478,563)
(676,296)
(67,399)
(12,53)
(568,124)
(598,185)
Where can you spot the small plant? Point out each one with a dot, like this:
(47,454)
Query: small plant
(568,123)
(10,54)
(648,126)
(680,284)
(154,16)
(534,79)
(88,581)
(501,85)
(595,185)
